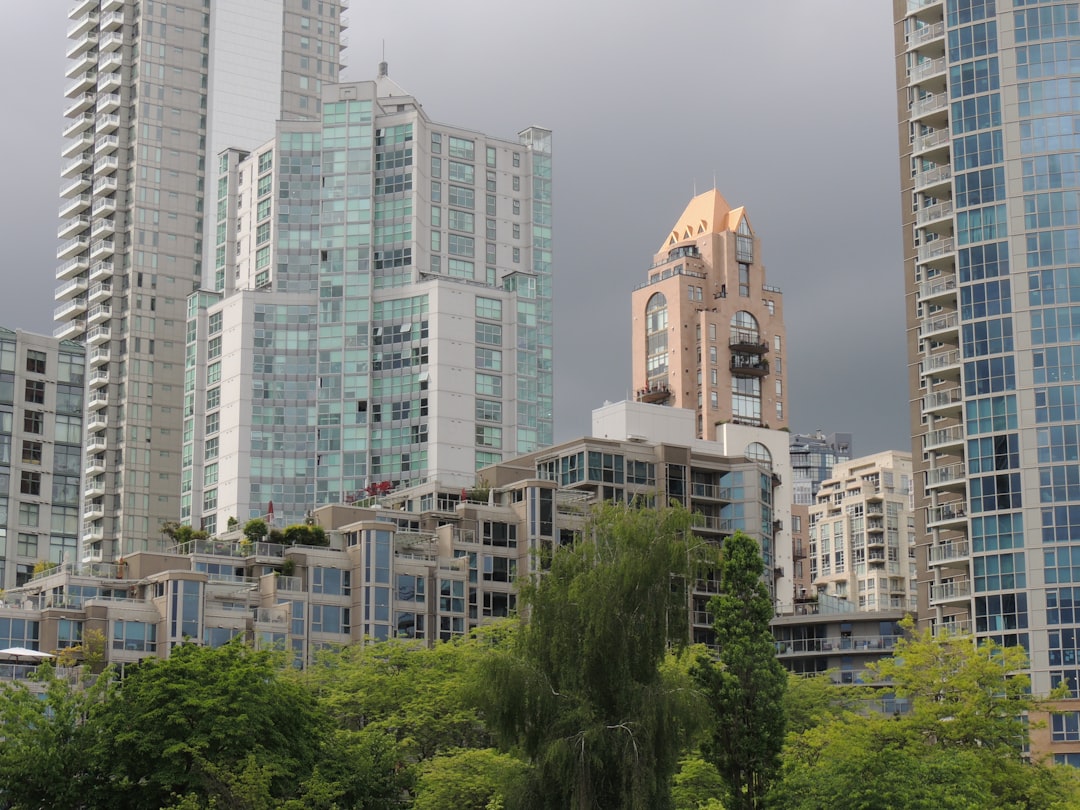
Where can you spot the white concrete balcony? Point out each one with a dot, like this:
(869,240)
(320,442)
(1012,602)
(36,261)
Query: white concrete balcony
(103,227)
(80,104)
(934,213)
(926,70)
(111,21)
(929,105)
(73,205)
(101,270)
(86,80)
(72,267)
(69,289)
(99,292)
(77,165)
(921,37)
(956,591)
(72,226)
(95,487)
(106,165)
(939,325)
(76,146)
(951,476)
(95,464)
(946,553)
(97,422)
(93,510)
(102,249)
(931,178)
(81,7)
(96,443)
(943,402)
(82,63)
(98,377)
(100,356)
(951,514)
(72,246)
(108,102)
(69,309)
(83,24)
(104,185)
(93,534)
(82,44)
(106,123)
(109,80)
(937,364)
(110,42)
(111,5)
(69,330)
(97,400)
(98,335)
(110,62)
(98,313)
(80,124)
(106,144)
(937,288)
(76,185)
(104,206)
(942,439)
(931,141)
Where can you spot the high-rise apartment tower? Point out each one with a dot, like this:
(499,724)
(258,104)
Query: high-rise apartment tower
(708,332)
(157,90)
(989,157)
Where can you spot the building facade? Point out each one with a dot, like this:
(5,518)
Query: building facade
(41,452)
(380,314)
(708,332)
(987,150)
(156,90)
(813,456)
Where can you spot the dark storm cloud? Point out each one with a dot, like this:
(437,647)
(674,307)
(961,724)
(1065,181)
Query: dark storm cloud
(789,105)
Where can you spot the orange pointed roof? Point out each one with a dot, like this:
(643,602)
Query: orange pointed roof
(705,213)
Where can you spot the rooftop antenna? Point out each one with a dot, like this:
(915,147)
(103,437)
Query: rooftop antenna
(695,186)
(383,67)
(714,180)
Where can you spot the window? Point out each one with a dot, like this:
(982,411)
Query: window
(489,334)
(31,452)
(34,422)
(461,148)
(213,398)
(30,483)
(744,280)
(35,391)
(210,449)
(490,308)
(490,359)
(461,197)
(461,172)
(487,411)
(213,420)
(29,514)
(489,437)
(35,361)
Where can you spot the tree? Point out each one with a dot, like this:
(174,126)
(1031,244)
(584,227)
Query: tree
(580,691)
(697,786)
(301,534)
(471,779)
(745,685)
(255,530)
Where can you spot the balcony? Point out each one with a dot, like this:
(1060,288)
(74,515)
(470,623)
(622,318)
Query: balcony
(95,465)
(656,392)
(943,401)
(82,45)
(72,267)
(80,104)
(929,105)
(98,377)
(69,309)
(712,492)
(72,226)
(949,322)
(946,553)
(917,5)
(106,144)
(108,102)
(79,124)
(100,356)
(77,165)
(93,510)
(68,289)
(926,70)
(110,63)
(111,21)
(103,206)
(73,205)
(77,185)
(956,591)
(103,227)
(934,213)
(72,246)
(951,476)
(747,341)
(109,80)
(748,366)
(82,63)
(97,400)
(110,42)
(111,5)
(98,313)
(96,443)
(930,179)
(69,330)
(102,249)
(925,35)
(106,165)
(97,422)
(106,123)
(100,292)
(80,8)
(95,487)
(99,335)
(951,514)
(105,185)
(78,145)
(931,141)
(712,523)
(101,271)
(83,24)
(944,438)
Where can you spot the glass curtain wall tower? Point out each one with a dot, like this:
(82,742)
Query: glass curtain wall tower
(989,155)
(157,89)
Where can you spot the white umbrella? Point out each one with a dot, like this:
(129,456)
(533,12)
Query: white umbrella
(24,652)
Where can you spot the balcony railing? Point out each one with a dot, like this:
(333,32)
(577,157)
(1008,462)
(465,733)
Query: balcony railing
(923,70)
(949,551)
(843,644)
(928,33)
(936,362)
(943,436)
(940,324)
(929,214)
(950,591)
(948,513)
(943,475)
(930,140)
(929,104)
(933,177)
(936,249)
(942,399)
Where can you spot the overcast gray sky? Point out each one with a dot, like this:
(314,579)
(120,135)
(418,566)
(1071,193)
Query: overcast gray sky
(789,104)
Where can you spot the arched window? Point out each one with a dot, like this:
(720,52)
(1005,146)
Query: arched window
(743,323)
(656,350)
(756,451)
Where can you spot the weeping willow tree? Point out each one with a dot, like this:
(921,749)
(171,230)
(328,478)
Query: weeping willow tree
(588,691)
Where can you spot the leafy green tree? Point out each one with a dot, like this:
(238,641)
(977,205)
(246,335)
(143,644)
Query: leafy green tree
(48,754)
(811,701)
(192,723)
(471,779)
(745,685)
(697,786)
(581,690)
(255,530)
(301,534)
